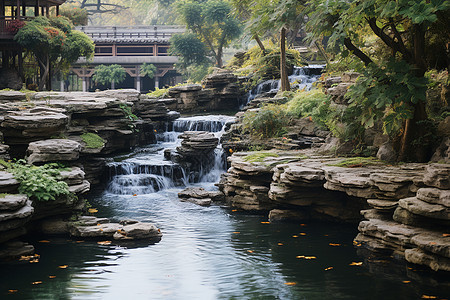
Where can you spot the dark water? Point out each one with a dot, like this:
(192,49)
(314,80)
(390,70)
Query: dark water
(207,252)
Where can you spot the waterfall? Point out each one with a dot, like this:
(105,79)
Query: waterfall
(147,171)
(301,78)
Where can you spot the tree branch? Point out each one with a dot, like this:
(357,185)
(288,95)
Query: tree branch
(356,51)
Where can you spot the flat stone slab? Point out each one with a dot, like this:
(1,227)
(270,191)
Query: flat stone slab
(138,231)
(13,202)
(73,177)
(437,175)
(7,182)
(53,150)
(201,202)
(434,242)
(34,120)
(382,204)
(434,196)
(434,262)
(419,207)
(21,213)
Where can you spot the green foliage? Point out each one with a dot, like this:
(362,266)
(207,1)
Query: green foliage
(104,74)
(269,121)
(387,94)
(212,23)
(191,49)
(92,140)
(128,112)
(41,183)
(158,93)
(148,70)
(78,16)
(354,162)
(264,66)
(314,104)
(259,156)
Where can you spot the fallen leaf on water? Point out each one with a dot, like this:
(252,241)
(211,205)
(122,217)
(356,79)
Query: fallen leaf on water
(12,291)
(92,210)
(265,222)
(236,232)
(44,241)
(52,276)
(428,297)
(233,210)
(325,235)
(290,283)
(356,263)
(446,234)
(104,243)
(329,268)
(300,256)
(37,282)
(432,243)
(295,236)
(280,244)
(302,233)
(302,224)
(23,257)
(80,241)
(34,261)
(310,257)
(134,195)
(63,267)
(406,281)
(335,245)
(250,251)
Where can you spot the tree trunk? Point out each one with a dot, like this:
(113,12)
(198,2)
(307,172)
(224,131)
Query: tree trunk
(219,57)
(285,86)
(260,44)
(414,144)
(113,85)
(44,72)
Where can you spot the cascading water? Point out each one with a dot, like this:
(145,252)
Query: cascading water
(302,79)
(147,171)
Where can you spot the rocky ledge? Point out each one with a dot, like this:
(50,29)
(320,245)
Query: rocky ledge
(405,208)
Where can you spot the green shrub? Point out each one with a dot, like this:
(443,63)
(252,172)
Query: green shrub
(259,156)
(269,121)
(314,104)
(39,183)
(92,140)
(159,93)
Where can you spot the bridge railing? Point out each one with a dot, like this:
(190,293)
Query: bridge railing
(139,32)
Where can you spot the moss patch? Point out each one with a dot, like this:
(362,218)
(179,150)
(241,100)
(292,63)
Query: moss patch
(356,162)
(259,156)
(92,140)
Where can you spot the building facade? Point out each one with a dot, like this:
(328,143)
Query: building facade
(129,47)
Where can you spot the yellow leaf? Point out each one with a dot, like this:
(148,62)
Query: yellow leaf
(280,244)
(44,241)
(302,233)
(290,283)
(310,257)
(92,210)
(134,195)
(329,268)
(104,243)
(63,267)
(295,236)
(52,276)
(233,210)
(34,261)
(446,234)
(250,251)
(356,263)
(300,256)
(80,241)
(265,222)
(406,281)
(36,282)
(432,243)
(12,291)
(428,297)
(236,232)
(335,245)
(302,224)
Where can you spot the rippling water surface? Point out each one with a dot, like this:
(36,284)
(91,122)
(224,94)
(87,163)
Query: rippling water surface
(207,253)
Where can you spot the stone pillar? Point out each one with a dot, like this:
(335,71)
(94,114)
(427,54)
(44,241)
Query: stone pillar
(156,82)
(138,83)
(85,79)
(61,85)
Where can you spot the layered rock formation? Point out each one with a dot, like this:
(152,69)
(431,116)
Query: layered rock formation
(405,207)
(219,91)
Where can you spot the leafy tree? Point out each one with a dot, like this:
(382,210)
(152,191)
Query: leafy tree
(54,44)
(392,88)
(212,23)
(78,16)
(111,74)
(148,70)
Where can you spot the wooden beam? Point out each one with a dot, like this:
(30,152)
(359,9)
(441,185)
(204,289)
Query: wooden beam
(24,8)
(47,10)
(57,10)
(18,9)
(36,9)
(2,9)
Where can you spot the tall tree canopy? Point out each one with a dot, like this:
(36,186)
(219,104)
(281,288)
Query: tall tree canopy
(393,87)
(54,44)
(212,23)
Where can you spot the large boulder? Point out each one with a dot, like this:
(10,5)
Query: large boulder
(53,150)
(10,79)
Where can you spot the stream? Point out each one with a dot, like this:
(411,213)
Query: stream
(205,252)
